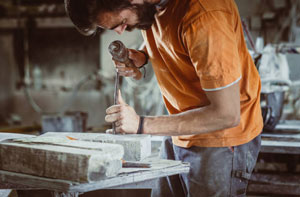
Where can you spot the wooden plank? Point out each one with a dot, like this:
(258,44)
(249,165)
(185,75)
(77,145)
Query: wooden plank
(289,125)
(279,179)
(33,181)
(274,189)
(54,22)
(284,184)
(280,143)
(29,130)
(68,186)
(41,22)
(281,136)
(280,147)
(15,186)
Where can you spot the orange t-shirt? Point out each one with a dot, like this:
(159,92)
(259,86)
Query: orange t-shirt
(197,46)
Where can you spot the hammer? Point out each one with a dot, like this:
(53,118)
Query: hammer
(119,53)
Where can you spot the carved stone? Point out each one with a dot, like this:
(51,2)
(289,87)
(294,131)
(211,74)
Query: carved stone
(136,147)
(61,158)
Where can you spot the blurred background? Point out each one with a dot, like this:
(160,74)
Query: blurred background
(48,70)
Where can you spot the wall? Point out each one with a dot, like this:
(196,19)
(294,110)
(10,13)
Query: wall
(6,74)
(64,57)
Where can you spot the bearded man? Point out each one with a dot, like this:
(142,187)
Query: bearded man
(209,84)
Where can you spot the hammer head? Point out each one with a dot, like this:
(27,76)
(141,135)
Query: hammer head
(118,51)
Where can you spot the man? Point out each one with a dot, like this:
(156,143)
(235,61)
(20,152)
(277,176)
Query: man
(209,84)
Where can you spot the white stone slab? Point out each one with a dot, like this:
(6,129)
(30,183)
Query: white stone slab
(5,192)
(61,158)
(136,147)
(5,136)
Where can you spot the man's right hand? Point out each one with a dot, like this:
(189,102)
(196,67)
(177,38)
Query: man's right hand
(138,59)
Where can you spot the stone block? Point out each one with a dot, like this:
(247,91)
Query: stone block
(61,158)
(136,147)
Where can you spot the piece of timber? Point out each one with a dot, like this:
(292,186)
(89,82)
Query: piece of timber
(61,158)
(274,190)
(285,143)
(136,147)
(288,125)
(277,184)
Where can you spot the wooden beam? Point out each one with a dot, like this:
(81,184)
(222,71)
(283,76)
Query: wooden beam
(280,184)
(274,189)
(41,22)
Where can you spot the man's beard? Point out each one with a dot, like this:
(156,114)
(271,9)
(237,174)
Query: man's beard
(146,16)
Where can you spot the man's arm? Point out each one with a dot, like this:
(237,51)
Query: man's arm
(222,112)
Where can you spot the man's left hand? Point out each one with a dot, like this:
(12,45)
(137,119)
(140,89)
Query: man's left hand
(124,116)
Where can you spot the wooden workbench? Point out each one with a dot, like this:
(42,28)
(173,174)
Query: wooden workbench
(127,178)
(285,140)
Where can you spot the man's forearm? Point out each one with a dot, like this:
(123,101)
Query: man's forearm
(201,120)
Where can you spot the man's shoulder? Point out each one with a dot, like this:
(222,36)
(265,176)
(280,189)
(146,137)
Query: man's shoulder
(215,5)
(198,8)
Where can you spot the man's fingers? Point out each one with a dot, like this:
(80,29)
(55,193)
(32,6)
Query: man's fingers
(132,53)
(118,130)
(125,69)
(113,109)
(138,57)
(125,74)
(118,123)
(119,126)
(109,131)
(113,117)
(128,71)
(118,64)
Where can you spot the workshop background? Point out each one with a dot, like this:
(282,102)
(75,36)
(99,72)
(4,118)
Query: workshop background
(54,79)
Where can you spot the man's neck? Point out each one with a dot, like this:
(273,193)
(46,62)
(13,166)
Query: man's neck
(153,1)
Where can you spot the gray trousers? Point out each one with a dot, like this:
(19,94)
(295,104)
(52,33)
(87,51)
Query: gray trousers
(213,171)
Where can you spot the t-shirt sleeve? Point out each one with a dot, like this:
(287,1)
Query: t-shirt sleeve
(211,43)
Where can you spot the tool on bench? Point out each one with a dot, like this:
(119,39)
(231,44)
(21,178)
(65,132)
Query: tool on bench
(119,53)
(133,164)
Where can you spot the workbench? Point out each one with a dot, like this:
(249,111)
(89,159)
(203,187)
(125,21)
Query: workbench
(127,178)
(285,140)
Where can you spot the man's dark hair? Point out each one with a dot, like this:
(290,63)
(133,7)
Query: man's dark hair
(83,13)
